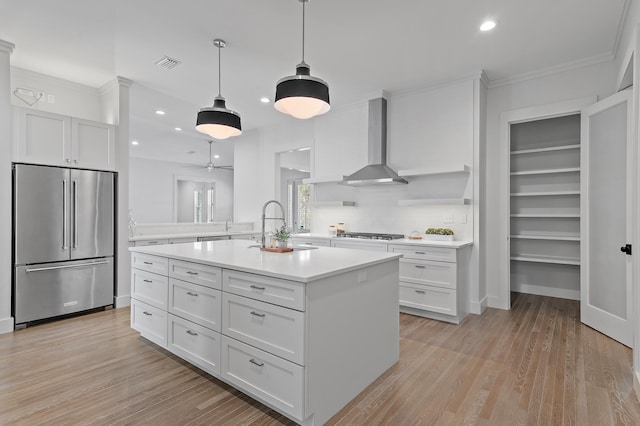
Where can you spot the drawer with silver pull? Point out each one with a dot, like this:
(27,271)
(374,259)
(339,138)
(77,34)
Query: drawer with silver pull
(148,262)
(197,303)
(434,299)
(151,322)
(272,328)
(269,378)
(439,274)
(194,343)
(149,287)
(281,292)
(196,273)
(442,254)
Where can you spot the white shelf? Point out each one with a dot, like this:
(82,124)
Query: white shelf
(548,149)
(332,203)
(546,237)
(462,168)
(546,171)
(546,259)
(544,194)
(326,179)
(434,201)
(545,215)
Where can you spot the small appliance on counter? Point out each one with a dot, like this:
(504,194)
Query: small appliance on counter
(63,241)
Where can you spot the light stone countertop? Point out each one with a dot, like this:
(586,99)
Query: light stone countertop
(300,265)
(423,242)
(190,235)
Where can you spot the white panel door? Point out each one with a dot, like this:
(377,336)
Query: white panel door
(606,204)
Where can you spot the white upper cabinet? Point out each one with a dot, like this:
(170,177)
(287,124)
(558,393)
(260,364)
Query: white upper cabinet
(41,137)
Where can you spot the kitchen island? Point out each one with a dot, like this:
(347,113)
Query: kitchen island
(302,332)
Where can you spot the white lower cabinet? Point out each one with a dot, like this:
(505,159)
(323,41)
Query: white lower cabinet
(194,343)
(269,327)
(278,382)
(195,303)
(434,281)
(150,321)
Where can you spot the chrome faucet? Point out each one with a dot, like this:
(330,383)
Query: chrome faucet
(264,217)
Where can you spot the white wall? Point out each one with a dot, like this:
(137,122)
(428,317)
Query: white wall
(595,80)
(151,189)
(6,321)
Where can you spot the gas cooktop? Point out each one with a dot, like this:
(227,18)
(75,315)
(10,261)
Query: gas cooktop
(370,236)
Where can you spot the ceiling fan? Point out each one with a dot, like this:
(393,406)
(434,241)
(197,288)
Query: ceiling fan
(209,166)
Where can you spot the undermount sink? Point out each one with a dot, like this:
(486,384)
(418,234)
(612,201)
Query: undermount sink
(295,248)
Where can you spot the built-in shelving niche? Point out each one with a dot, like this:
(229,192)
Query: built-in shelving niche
(545,206)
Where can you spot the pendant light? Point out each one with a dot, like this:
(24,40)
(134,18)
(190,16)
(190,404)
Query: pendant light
(301,95)
(218,121)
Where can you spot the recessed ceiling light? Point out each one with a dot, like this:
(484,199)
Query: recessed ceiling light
(134,142)
(487,26)
(216,156)
(159,112)
(265,100)
(178,129)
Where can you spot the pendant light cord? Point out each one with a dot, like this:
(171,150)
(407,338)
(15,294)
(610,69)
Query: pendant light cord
(303,4)
(219,71)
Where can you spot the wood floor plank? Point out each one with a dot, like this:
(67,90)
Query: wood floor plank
(534,364)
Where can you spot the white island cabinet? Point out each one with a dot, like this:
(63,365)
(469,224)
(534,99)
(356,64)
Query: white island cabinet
(302,332)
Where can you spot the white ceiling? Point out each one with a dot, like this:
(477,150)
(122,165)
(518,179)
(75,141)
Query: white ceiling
(359,47)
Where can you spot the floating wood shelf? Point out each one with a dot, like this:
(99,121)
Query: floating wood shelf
(546,171)
(548,149)
(546,259)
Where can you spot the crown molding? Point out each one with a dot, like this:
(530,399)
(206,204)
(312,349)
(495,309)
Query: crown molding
(567,66)
(115,84)
(67,84)
(471,76)
(5,46)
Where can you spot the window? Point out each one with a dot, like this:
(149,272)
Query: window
(298,211)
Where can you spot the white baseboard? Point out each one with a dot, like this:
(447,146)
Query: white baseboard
(498,303)
(546,291)
(122,301)
(6,325)
(478,307)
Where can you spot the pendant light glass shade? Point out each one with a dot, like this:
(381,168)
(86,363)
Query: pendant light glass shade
(218,121)
(301,95)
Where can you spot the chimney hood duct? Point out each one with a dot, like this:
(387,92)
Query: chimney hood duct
(376,172)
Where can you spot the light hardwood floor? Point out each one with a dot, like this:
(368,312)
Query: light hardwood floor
(535,364)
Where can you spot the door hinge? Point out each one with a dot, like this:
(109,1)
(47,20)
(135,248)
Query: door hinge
(626,249)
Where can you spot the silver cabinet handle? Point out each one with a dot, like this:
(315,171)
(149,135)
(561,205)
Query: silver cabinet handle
(77,265)
(147,313)
(68,160)
(148,263)
(192,273)
(420,266)
(192,294)
(75,161)
(420,252)
(420,291)
(152,242)
(193,333)
(147,281)
(64,214)
(254,362)
(255,287)
(254,313)
(75,213)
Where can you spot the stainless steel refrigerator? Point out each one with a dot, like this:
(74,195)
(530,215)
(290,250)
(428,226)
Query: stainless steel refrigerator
(63,241)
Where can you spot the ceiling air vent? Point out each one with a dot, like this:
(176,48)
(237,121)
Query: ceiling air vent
(167,62)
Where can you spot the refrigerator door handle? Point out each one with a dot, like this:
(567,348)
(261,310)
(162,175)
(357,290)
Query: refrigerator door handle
(75,214)
(64,215)
(78,265)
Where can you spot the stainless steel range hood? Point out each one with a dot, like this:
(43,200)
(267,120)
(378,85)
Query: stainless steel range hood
(376,172)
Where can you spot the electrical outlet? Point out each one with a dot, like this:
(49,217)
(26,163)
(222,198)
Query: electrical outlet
(51,99)
(447,219)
